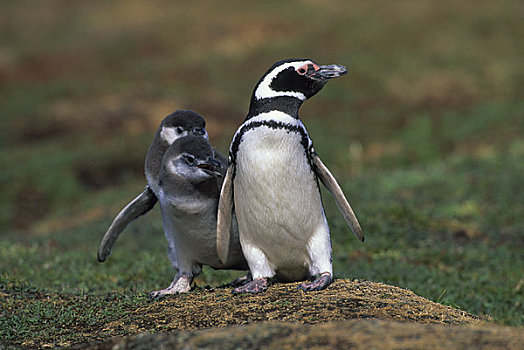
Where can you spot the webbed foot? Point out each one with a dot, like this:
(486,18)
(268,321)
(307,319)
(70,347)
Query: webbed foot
(180,285)
(240,281)
(320,283)
(257,285)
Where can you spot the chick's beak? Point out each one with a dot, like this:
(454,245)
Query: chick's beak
(211,166)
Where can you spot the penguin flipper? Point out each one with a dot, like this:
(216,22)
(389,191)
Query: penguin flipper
(224,216)
(138,206)
(329,181)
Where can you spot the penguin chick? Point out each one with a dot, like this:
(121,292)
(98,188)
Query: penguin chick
(177,124)
(190,179)
(272,183)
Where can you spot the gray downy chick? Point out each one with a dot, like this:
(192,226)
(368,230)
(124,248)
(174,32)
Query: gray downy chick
(189,186)
(177,126)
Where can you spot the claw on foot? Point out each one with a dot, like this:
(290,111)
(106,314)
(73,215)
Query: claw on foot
(257,285)
(240,281)
(320,283)
(157,294)
(179,285)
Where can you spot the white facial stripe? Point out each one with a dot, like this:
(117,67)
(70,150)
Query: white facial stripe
(170,134)
(172,168)
(179,168)
(264,89)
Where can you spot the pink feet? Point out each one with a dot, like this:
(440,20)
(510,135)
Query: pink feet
(257,285)
(179,285)
(320,283)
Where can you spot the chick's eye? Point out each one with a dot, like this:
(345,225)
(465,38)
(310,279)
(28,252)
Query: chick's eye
(179,130)
(199,131)
(190,159)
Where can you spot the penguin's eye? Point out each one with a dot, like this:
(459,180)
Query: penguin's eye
(179,130)
(199,131)
(302,71)
(189,158)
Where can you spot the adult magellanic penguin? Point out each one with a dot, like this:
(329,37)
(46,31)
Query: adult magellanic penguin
(272,183)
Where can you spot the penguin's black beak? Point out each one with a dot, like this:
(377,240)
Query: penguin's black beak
(210,166)
(327,72)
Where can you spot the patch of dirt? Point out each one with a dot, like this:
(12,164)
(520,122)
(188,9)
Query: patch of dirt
(349,314)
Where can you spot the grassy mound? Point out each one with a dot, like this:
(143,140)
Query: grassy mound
(90,319)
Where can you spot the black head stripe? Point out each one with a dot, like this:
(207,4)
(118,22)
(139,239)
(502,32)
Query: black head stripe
(285,104)
(289,80)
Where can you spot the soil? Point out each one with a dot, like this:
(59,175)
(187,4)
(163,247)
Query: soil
(347,315)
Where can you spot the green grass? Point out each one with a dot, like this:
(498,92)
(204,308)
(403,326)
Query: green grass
(424,134)
(35,317)
(450,231)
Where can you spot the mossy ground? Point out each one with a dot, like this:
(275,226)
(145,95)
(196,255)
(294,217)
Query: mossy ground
(205,308)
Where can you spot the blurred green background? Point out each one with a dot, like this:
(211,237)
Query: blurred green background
(425,134)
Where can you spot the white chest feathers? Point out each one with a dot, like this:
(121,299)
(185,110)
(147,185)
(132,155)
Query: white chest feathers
(271,159)
(276,194)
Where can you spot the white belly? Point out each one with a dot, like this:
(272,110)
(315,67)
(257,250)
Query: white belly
(277,200)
